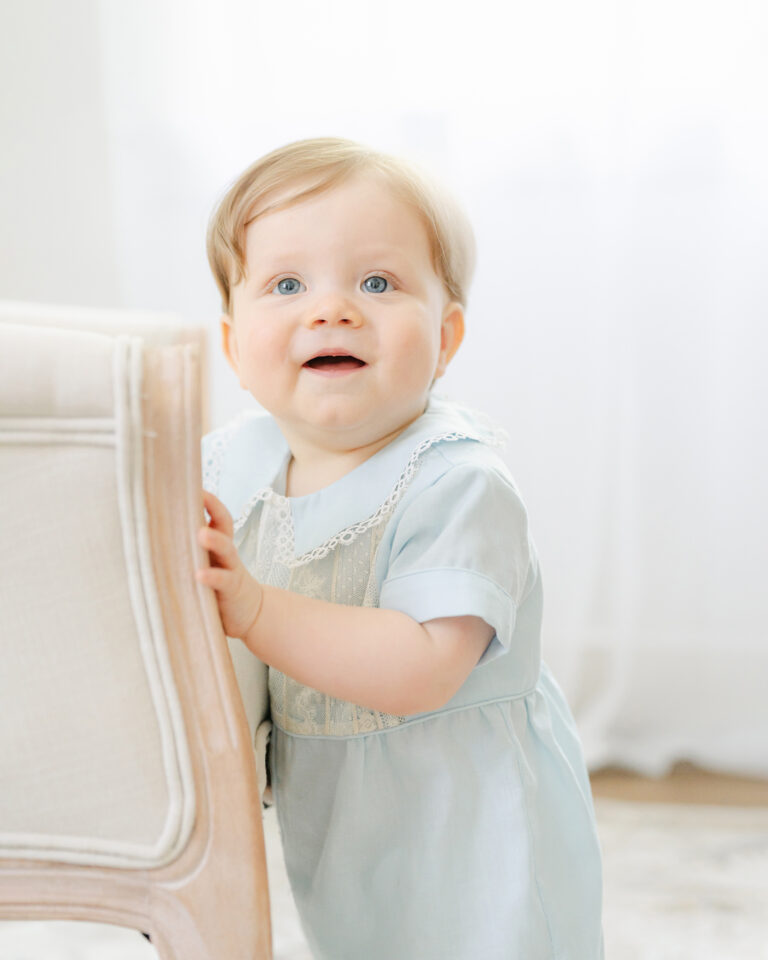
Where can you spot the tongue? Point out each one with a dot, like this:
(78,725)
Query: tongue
(335,363)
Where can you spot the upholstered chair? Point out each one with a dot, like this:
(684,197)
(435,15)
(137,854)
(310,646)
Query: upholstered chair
(129,789)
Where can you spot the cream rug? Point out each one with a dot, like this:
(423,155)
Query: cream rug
(684,882)
(681,883)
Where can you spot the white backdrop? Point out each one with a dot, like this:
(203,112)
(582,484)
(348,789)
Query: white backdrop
(614,159)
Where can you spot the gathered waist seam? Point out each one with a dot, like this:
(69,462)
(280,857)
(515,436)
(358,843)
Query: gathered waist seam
(409,722)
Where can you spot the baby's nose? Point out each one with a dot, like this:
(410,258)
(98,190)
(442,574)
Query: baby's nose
(334,311)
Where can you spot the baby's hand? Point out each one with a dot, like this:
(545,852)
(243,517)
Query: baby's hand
(239,596)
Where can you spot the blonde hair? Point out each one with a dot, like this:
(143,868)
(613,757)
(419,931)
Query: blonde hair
(313,166)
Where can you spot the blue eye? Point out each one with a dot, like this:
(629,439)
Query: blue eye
(289,285)
(375,284)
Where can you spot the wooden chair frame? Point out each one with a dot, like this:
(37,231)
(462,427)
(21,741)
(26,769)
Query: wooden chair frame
(212,901)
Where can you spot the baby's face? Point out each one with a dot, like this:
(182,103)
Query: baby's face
(341,323)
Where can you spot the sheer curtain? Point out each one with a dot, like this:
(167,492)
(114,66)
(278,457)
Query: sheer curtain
(614,160)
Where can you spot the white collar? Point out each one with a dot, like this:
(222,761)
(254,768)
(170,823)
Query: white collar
(247,459)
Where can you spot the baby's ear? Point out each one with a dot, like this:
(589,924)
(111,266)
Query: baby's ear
(229,342)
(451,335)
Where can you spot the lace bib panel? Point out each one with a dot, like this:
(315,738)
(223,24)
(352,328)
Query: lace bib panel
(345,574)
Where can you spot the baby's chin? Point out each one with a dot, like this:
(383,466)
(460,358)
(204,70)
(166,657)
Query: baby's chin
(344,428)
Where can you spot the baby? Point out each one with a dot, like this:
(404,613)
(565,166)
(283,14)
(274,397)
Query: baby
(372,550)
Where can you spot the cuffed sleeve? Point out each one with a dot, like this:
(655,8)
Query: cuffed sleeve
(461,548)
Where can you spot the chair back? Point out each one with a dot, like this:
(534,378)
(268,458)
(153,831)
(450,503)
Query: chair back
(128,787)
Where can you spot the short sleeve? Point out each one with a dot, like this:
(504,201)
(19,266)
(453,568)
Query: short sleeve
(461,547)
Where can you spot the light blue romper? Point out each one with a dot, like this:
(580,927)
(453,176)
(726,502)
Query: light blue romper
(466,833)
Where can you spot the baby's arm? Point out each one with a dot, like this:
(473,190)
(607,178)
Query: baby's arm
(381,659)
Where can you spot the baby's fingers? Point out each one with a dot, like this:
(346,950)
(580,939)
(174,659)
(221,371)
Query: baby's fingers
(217,578)
(220,517)
(220,547)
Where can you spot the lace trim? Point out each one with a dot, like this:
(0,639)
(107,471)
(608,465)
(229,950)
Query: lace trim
(212,467)
(214,459)
(495,434)
(285,539)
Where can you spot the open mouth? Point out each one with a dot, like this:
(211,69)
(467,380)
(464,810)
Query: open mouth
(335,363)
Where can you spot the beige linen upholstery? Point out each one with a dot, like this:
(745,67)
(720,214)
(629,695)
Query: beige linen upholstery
(128,789)
(154,329)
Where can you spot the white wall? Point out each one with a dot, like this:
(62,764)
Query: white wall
(613,157)
(57,229)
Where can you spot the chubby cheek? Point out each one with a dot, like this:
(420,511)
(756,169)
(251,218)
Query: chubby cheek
(417,354)
(262,361)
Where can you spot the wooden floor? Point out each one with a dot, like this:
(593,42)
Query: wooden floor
(685,784)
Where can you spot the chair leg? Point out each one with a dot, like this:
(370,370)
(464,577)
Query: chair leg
(193,924)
